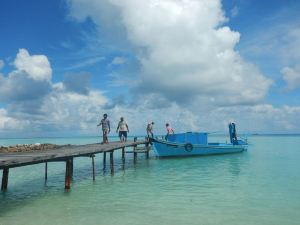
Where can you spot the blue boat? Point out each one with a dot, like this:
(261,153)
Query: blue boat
(196,143)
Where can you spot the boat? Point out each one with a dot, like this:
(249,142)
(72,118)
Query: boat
(196,143)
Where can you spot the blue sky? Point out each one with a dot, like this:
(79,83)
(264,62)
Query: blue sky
(145,59)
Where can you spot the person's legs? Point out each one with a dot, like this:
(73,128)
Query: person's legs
(105,138)
(120,135)
(125,135)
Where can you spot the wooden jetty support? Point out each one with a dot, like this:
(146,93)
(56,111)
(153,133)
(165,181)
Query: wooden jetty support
(67,154)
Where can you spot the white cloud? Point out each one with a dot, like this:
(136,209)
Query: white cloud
(66,110)
(36,104)
(87,62)
(118,61)
(277,41)
(36,66)
(184,50)
(1,64)
(291,77)
(234,11)
(263,118)
(8,123)
(191,76)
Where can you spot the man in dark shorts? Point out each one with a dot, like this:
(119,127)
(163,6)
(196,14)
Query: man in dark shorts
(123,129)
(105,128)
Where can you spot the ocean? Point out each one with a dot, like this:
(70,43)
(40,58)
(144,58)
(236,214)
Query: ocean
(259,186)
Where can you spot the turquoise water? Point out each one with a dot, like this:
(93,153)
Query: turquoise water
(260,186)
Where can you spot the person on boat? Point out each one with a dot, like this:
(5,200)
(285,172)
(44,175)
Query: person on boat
(123,129)
(149,129)
(105,128)
(169,130)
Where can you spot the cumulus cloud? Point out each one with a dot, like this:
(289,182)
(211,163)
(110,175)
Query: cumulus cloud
(36,66)
(19,86)
(185,51)
(8,123)
(67,110)
(291,77)
(190,75)
(262,118)
(29,83)
(34,103)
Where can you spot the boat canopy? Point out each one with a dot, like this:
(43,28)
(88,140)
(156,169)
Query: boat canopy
(189,137)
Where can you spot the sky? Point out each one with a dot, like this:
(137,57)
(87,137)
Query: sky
(196,64)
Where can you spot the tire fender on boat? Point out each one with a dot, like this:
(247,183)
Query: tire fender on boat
(188,147)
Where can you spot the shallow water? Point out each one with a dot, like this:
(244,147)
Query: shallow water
(260,186)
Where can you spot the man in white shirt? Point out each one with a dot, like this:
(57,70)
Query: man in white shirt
(123,129)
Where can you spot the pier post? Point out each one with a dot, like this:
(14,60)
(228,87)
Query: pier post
(134,152)
(68,174)
(46,171)
(93,165)
(134,156)
(72,168)
(123,158)
(4,179)
(123,154)
(111,156)
(147,148)
(104,161)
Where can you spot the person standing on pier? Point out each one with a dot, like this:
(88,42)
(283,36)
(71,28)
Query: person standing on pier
(123,129)
(105,128)
(149,129)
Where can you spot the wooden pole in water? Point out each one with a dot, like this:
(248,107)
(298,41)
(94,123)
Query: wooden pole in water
(134,156)
(4,179)
(72,168)
(147,148)
(68,174)
(104,160)
(123,154)
(134,152)
(93,165)
(123,158)
(111,162)
(46,171)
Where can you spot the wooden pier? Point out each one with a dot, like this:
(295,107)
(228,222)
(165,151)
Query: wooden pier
(67,154)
